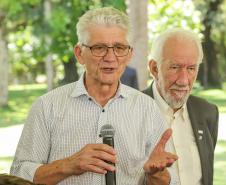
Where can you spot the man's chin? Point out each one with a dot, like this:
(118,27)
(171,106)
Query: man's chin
(108,81)
(178,95)
(177,102)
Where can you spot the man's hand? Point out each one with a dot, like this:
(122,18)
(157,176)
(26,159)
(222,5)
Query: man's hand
(159,158)
(91,158)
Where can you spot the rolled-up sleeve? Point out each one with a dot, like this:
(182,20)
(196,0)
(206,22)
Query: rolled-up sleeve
(34,145)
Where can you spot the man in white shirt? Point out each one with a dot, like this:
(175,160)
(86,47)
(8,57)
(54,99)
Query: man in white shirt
(60,142)
(176,55)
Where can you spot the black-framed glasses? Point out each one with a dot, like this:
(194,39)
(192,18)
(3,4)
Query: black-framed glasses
(100,50)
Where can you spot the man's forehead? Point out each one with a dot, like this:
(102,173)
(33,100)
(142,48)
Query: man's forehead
(180,62)
(180,50)
(178,44)
(108,35)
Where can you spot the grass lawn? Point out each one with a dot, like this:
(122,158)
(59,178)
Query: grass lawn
(220,163)
(22,96)
(5,163)
(215,96)
(20,100)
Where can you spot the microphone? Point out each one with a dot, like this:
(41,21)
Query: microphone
(108,132)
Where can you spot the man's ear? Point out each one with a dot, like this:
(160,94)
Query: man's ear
(130,55)
(78,54)
(153,68)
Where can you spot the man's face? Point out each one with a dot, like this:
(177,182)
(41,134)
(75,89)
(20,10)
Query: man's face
(178,71)
(105,69)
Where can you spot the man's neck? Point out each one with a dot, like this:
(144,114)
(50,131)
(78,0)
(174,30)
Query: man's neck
(102,93)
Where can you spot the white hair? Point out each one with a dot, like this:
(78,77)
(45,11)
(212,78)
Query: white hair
(107,16)
(181,34)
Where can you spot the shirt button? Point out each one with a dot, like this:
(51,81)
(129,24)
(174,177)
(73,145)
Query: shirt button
(103,110)
(90,99)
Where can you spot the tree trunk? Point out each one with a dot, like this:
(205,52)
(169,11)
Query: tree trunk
(213,75)
(49,72)
(222,49)
(70,71)
(48,60)
(3,65)
(137,11)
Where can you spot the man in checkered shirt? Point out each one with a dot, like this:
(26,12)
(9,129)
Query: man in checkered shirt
(60,143)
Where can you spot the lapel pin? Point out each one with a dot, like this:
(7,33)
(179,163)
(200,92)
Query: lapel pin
(200,132)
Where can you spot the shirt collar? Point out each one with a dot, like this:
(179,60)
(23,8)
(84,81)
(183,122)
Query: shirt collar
(80,89)
(164,107)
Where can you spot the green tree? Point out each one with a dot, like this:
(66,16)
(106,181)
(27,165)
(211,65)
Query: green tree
(3,61)
(209,71)
(12,19)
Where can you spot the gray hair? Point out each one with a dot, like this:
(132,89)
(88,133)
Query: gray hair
(107,16)
(182,34)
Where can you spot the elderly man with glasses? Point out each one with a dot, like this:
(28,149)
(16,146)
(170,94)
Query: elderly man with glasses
(60,142)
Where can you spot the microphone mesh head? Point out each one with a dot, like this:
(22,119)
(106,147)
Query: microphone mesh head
(107,131)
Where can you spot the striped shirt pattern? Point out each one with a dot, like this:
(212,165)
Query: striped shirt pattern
(63,121)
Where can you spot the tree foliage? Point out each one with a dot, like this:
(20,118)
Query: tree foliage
(172,13)
(25,30)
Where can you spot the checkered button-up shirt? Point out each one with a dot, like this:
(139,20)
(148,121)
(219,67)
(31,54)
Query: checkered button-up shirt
(64,120)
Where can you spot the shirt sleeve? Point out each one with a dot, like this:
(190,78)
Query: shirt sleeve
(158,126)
(34,144)
(174,179)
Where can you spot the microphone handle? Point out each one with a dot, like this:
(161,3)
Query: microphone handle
(110,177)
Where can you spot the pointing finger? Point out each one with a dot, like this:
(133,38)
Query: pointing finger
(165,137)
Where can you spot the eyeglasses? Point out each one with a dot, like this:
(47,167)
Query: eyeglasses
(100,50)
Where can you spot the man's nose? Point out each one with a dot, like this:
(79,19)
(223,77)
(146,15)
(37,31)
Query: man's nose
(183,77)
(110,55)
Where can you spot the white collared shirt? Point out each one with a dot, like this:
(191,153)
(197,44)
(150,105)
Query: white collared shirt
(188,166)
(64,120)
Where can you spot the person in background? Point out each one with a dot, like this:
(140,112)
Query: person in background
(60,142)
(129,77)
(176,55)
